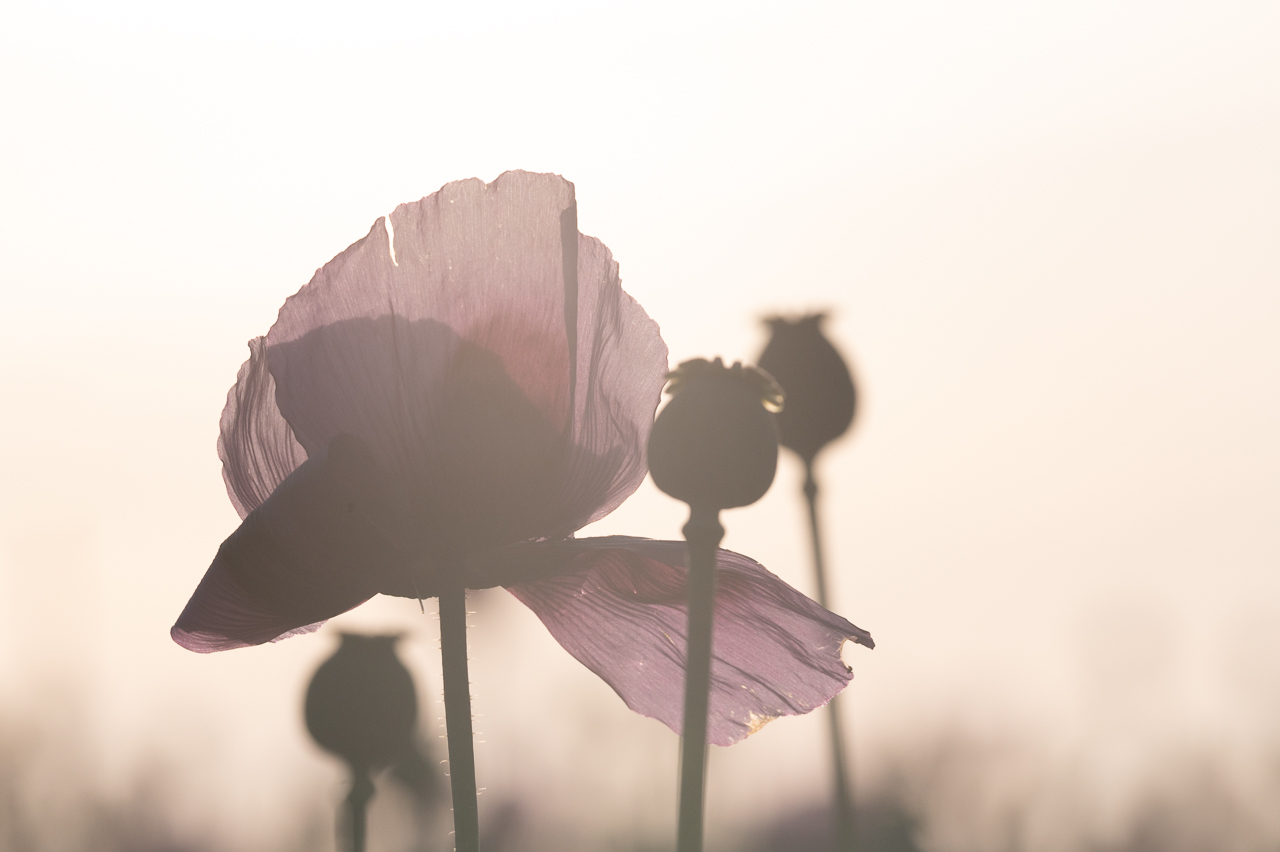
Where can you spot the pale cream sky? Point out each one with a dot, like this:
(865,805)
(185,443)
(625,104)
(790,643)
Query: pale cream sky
(1049,238)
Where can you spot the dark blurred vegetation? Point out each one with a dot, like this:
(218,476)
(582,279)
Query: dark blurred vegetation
(48,803)
(952,794)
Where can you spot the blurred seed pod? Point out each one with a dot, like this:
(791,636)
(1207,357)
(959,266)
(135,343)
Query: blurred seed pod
(820,393)
(715,444)
(361,704)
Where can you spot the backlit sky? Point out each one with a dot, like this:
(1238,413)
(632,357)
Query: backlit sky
(1049,236)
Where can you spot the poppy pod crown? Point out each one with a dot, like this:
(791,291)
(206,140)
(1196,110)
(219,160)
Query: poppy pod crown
(715,444)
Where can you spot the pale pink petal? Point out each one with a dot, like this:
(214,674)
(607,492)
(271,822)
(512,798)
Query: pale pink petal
(508,399)
(621,368)
(618,606)
(312,550)
(223,614)
(255,443)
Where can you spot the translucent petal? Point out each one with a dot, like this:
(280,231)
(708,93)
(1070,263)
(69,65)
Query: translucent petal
(617,604)
(255,443)
(496,333)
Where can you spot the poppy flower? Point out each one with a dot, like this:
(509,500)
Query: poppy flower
(448,401)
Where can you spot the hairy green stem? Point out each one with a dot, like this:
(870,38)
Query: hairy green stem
(457,719)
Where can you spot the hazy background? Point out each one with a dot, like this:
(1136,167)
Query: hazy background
(1050,238)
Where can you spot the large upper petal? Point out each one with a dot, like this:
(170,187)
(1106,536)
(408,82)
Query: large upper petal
(486,355)
(618,605)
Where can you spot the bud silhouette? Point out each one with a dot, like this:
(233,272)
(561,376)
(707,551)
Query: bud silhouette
(716,444)
(361,705)
(820,393)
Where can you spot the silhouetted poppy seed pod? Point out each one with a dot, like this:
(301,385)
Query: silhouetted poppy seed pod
(816,380)
(361,704)
(715,443)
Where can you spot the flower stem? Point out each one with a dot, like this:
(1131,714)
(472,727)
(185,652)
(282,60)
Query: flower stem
(358,800)
(457,718)
(846,816)
(703,533)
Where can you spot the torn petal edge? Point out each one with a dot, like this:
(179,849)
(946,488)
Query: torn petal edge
(619,608)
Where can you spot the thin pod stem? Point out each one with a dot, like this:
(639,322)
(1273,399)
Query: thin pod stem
(819,568)
(457,718)
(703,533)
(846,816)
(358,803)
